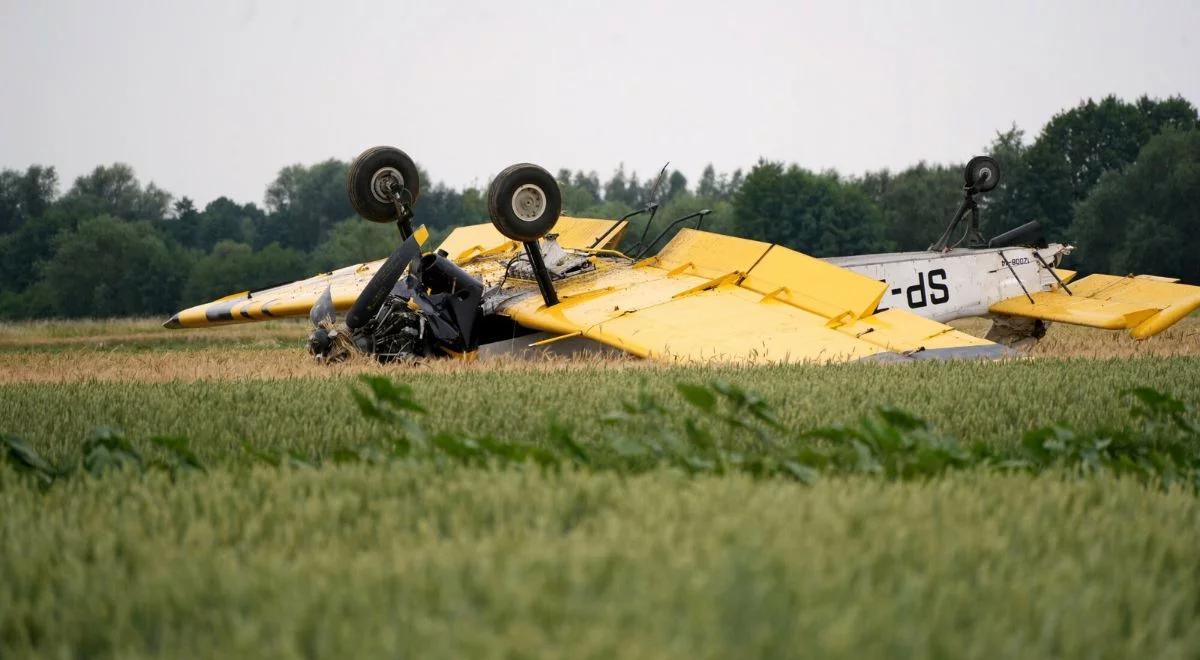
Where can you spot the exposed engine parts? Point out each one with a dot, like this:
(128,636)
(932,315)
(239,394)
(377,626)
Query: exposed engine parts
(558,261)
(418,305)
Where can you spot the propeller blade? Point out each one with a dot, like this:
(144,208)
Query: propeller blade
(323,312)
(376,291)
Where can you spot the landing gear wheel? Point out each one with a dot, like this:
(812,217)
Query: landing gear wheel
(524,202)
(983,173)
(371,177)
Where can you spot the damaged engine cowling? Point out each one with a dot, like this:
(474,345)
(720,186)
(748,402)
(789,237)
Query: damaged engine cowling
(433,309)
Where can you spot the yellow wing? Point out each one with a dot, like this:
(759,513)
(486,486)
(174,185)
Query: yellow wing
(712,297)
(1143,304)
(297,298)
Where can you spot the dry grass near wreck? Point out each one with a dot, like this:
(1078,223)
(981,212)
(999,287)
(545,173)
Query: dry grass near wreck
(242,363)
(141,351)
(1070,341)
(116,332)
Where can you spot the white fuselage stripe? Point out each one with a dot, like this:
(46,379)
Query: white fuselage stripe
(959,283)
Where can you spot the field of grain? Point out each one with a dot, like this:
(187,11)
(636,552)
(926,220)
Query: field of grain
(343,551)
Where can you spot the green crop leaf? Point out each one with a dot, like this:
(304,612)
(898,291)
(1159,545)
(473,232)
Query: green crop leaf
(901,419)
(560,437)
(698,396)
(182,455)
(108,450)
(367,406)
(1155,406)
(344,456)
(626,447)
(269,458)
(800,472)
(26,459)
(464,450)
(396,396)
(298,461)
(698,436)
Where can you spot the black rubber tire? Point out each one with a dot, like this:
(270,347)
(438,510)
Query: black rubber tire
(500,202)
(977,167)
(363,169)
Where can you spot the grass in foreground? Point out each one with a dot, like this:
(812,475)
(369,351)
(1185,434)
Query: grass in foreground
(430,558)
(724,429)
(988,403)
(363,561)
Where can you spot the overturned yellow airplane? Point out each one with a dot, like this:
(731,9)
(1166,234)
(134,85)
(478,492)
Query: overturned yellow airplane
(533,278)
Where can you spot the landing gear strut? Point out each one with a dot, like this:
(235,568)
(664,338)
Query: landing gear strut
(524,203)
(981,175)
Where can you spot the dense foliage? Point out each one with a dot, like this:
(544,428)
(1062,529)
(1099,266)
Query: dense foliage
(1117,178)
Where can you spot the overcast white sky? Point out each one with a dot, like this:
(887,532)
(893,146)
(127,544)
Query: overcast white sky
(211,98)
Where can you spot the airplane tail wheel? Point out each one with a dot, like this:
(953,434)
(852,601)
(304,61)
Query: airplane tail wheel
(524,202)
(982,172)
(374,174)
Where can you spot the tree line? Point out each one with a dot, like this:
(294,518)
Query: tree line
(1119,179)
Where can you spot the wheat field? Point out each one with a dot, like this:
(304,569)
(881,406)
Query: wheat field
(500,557)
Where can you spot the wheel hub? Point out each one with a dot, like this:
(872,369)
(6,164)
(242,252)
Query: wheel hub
(529,202)
(382,181)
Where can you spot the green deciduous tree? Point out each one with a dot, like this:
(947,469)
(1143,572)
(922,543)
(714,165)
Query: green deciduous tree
(305,202)
(818,214)
(1011,203)
(1079,145)
(232,267)
(225,219)
(111,191)
(676,185)
(110,267)
(440,207)
(114,190)
(25,195)
(617,188)
(1146,219)
(915,204)
(356,241)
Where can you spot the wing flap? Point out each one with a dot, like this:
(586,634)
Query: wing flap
(1144,305)
(814,284)
(709,255)
(899,330)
